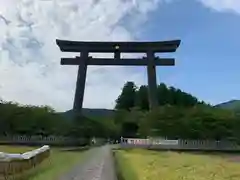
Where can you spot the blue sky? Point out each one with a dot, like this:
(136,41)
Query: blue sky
(208,60)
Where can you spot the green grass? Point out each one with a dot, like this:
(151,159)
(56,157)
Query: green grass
(16,149)
(152,165)
(60,162)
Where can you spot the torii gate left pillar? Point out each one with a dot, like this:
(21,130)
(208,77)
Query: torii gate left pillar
(81,81)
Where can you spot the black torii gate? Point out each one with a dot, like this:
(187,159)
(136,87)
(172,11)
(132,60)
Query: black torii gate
(86,47)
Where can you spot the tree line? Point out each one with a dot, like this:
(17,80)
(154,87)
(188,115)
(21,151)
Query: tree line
(16,119)
(180,115)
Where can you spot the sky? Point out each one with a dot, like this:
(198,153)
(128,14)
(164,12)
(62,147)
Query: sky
(207,60)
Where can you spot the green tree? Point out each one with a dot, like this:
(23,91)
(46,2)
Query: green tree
(141,100)
(198,122)
(126,99)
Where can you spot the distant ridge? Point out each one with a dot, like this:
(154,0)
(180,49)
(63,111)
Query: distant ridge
(231,105)
(105,113)
(102,113)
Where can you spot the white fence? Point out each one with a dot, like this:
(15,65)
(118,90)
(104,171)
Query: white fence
(155,143)
(150,141)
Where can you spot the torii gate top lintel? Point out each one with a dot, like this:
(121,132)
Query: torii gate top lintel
(121,46)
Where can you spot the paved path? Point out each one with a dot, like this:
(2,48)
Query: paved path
(96,165)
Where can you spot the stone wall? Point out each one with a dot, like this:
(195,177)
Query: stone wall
(15,164)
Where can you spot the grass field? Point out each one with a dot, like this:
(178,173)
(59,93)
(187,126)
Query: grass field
(152,165)
(58,163)
(16,149)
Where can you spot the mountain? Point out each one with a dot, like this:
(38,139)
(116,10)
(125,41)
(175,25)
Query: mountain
(91,113)
(231,105)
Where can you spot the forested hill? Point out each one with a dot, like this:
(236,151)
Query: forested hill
(94,113)
(133,96)
(137,97)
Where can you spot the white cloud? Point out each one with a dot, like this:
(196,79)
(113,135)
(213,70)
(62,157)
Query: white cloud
(30,70)
(223,5)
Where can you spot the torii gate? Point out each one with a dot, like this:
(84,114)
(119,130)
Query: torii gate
(86,47)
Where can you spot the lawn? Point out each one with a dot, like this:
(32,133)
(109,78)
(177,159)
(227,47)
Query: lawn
(16,149)
(58,163)
(152,165)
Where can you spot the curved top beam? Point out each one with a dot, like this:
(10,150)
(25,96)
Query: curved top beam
(110,47)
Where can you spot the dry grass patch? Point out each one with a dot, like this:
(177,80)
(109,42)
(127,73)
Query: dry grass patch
(152,165)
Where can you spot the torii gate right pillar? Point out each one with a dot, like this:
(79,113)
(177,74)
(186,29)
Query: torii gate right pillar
(152,81)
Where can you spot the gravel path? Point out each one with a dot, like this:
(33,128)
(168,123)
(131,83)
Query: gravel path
(97,165)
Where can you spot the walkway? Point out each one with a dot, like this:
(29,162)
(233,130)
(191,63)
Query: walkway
(97,165)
